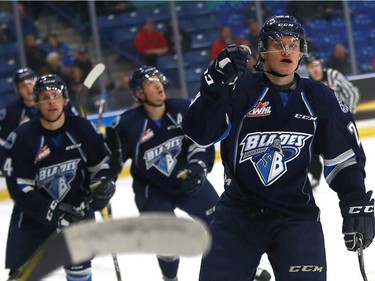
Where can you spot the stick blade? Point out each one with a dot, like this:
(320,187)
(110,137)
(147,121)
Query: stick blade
(93,75)
(151,233)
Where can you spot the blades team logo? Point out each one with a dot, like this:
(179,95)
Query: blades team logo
(260,110)
(56,179)
(269,152)
(163,157)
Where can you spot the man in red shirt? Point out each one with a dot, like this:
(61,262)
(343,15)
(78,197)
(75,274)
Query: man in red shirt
(150,43)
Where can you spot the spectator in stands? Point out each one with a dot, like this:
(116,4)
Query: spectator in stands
(340,59)
(184,38)
(54,65)
(265,10)
(84,61)
(224,39)
(253,28)
(74,82)
(113,7)
(27,23)
(150,43)
(35,55)
(52,44)
(307,11)
(122,96)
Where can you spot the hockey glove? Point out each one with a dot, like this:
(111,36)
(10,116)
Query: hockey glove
(218,80)
(101,199)
(62,214)
(192,177)
(359,222)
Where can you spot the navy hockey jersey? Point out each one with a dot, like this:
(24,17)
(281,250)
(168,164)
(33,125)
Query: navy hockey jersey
(268,135)
(158,151)
(43,165)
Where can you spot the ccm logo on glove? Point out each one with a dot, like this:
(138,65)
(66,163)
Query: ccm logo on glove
(361,209)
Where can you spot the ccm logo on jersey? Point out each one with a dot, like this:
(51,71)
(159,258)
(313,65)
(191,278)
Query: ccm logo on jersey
(361,209)
(305,268)
(305,117)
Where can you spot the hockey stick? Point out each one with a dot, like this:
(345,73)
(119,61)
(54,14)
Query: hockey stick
(151,233)
(107,214)
(87,84)
(107,211)
(361,258)
(114,145)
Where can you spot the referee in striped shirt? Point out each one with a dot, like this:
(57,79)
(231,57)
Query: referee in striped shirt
(343,88)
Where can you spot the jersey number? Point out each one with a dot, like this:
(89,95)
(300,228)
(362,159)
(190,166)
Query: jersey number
(353,130)
(7,168)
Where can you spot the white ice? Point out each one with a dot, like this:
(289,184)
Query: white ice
(342,265)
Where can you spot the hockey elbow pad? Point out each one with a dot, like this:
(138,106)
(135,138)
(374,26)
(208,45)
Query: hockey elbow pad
(358,220)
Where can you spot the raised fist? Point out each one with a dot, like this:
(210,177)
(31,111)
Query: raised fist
(230,64)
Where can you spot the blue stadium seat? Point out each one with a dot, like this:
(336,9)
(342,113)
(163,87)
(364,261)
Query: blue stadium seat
(202,40)
(124,34)
(8,50)
(200,57)
(131,18)
(8,67)
(156,13)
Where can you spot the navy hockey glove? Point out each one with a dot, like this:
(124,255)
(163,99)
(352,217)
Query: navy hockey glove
(357,211)
(101,199)
(62,214)
(192,177)
(218,80)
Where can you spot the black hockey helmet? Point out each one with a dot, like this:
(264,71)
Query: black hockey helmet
(23,74)
(311,58)
(143,73)
(276,26)
(50,82)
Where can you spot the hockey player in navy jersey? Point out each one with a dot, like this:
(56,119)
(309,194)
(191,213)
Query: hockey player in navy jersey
(50,163)
(269,124)
(22,108)
(168,170)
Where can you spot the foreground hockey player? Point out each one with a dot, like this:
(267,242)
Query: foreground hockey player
(51,161)
(342,87)
(168,170)
(268,124)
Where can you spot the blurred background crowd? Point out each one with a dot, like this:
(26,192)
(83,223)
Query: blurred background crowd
(179,37)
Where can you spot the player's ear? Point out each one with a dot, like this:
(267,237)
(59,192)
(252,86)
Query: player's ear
(140,95)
